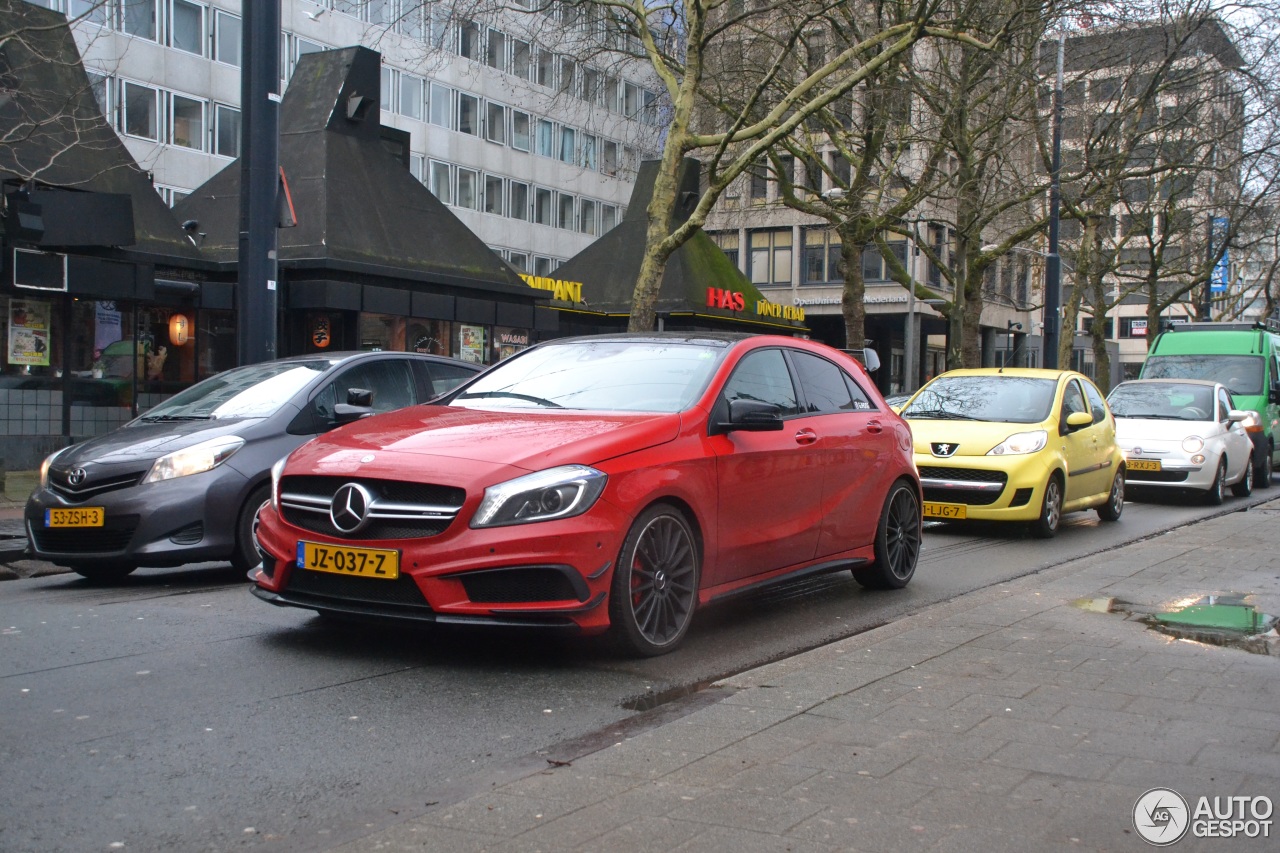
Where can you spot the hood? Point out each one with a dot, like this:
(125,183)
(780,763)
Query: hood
(524,440)
(971,438)
(1152,429)
(144,442)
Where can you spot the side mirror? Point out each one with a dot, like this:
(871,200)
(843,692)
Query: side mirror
(1079,420)
(870,360)
(359,405)
(752,416)
(1236,416)
(1273,396)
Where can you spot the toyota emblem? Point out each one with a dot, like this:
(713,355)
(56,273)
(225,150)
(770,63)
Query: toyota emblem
(349,509)
(76,476)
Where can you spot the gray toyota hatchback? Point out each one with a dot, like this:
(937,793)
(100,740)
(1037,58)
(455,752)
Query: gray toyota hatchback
(183,482)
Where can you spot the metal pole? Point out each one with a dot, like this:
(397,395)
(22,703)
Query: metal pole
(909,372)
(259,180)
(1053,262)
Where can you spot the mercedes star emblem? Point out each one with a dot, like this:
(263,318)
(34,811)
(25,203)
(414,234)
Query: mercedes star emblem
(76,476)
(349,509)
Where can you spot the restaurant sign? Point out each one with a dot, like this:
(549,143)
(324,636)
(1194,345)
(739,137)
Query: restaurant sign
(563,291)
(732,300)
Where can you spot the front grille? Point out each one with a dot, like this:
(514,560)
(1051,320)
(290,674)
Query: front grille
(110,539)
(1156,476)
(971,475)
(85,491)
(318,587)
(399,510)
(960,496)
(521,586)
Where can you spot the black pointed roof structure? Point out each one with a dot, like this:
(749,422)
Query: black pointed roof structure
(359,209)
(59,154)
(608,267)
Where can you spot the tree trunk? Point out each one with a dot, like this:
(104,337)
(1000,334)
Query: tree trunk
(853,300)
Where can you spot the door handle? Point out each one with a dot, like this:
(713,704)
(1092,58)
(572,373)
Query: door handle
(874,427)
(806,436)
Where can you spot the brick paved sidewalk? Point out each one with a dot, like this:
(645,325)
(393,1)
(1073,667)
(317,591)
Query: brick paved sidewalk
(1007,719)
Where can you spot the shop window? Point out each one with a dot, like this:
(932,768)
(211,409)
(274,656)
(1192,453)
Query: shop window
(140,111)
(382,332)
(508,341)
(188,123)
(472,343)
(519,207)
(430,337)
(215,342)
(167,338)
(226,131)
(186,27)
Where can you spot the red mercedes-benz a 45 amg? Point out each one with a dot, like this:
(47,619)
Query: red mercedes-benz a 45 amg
(613,483)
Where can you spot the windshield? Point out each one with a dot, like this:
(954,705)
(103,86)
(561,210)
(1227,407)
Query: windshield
(1005,399)
(609,375)
(1240,373)
(256,391)
(1167,400)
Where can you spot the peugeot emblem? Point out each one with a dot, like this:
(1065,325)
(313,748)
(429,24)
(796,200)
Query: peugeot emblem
(939,448)
(76,476)
(349,509)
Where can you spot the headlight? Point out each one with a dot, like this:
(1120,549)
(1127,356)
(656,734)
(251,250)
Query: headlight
(195,459)
(1193,444)
(555,493)
(1021,443)
(276,470)
(44,466)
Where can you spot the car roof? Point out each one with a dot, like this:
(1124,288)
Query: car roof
(1022,372)
(1208,383)
(722,338)
(341,356)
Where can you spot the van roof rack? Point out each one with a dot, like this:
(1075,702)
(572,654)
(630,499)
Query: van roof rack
(1269,324)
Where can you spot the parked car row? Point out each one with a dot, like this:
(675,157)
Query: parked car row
(607,484)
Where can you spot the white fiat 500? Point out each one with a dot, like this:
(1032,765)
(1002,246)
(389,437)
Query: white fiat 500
(1183,434)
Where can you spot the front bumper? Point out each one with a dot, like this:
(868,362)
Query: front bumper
(974,481)
(552,575)
(169,523)
(1176,472)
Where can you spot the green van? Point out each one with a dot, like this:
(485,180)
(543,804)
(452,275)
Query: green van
(1245,358)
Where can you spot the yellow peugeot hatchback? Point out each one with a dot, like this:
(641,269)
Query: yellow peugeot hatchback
(1015,444)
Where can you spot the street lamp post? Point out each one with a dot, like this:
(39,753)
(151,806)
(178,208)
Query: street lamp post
(1053,262)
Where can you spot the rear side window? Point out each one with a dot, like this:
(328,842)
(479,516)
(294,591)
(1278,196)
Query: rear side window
(440,377)
(827,388)
(763,376)
(1096,403)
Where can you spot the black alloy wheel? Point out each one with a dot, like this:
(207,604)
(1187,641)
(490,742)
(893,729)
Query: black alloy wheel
(1244,486)
(1046,526)
(245,556)
(655,584)
(1217,490)
(1110,511)
(897,545)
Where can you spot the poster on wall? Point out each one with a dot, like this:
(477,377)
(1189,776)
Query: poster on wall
(29,332)
(471,344)
(106,325)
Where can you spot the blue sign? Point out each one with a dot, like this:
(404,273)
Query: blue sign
(1222,269)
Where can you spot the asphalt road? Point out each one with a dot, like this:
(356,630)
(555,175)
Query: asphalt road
(177,712)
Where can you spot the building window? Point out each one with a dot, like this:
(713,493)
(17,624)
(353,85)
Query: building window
(387,92)
(608,218)
(226,131)
(468,188)
(441,178)
(728,243)
(568,76)
(494,197)
(545,69)
(589,152)
(468,114)
(587,217)
(441,106)
(613,94)
(496,50)
(186,27)
(140,111)
(519,260)
(542,206)
(88,11)
(521,138)
(495,124)
(519,207)
(521,59)
(226,38)
(469,40)
(591,86)
(138,18)
(546,138)
(821,259)
(771,256)
(541,265)
(564,211)
(98,84)
(417,166)
(187,125)
(631,100)
(411,91)
(568,145)
(759,182)
(609,157)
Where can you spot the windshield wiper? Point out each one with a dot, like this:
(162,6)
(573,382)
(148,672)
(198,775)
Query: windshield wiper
(154,418)
(528,398)
(938,414)
(1152,416)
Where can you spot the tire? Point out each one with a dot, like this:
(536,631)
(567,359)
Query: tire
(1262,473)
(1046,526)
(104,572)
(1217,489)
(1110,511)
(897,545)
(244,555)
(1244,487)
(655,583)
